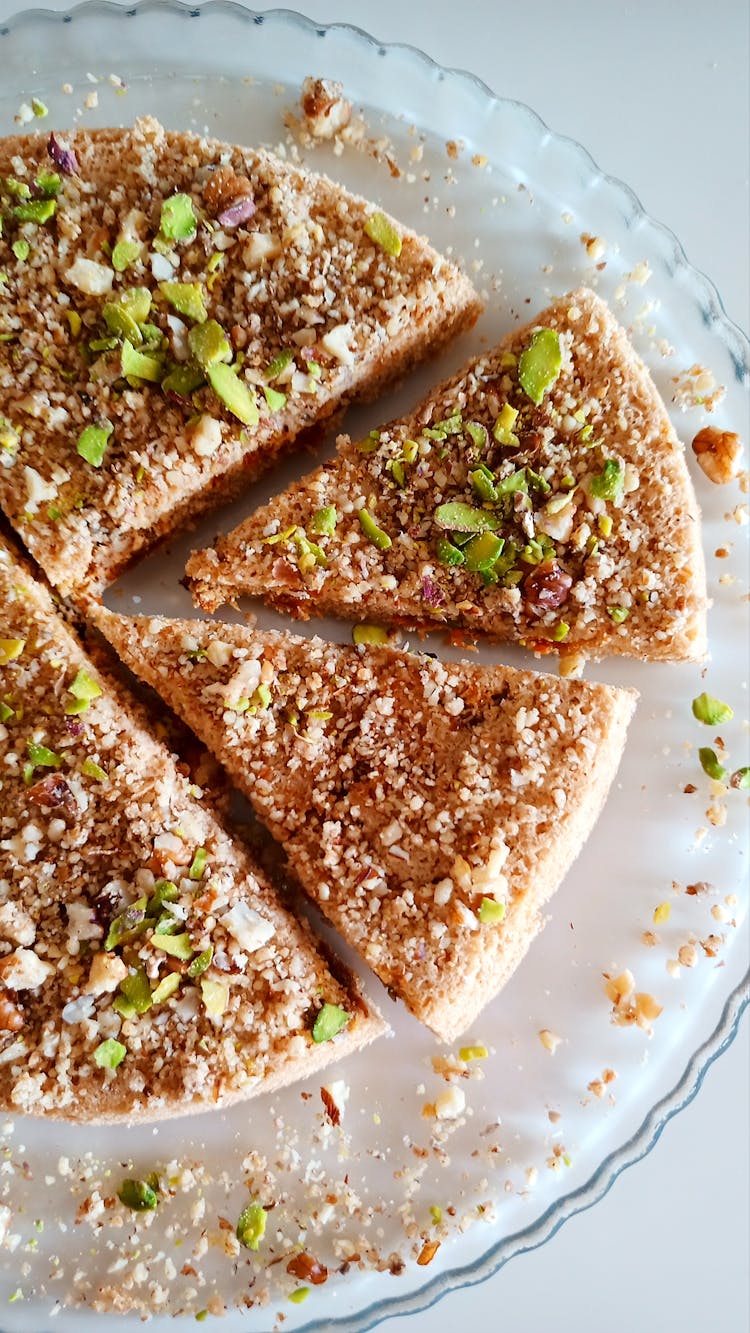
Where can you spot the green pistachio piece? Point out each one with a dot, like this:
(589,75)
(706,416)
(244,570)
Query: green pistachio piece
(618,614)
(448,554)
(251,1226)
(330,1020)
(164,892)
(183,380)
(48,184)
(482,552)
(140,1195)
(124,254)
(178,220)
(21,250)
(42,757)
(299,1295)
(6,712)
(215,996)
(137,302)
(607,484)
(373,533)
(120,322)
(38,211)
(127,925)
(491,912)
(186,298)
(90,769)
(381,230)
(458,517)
(166,987)
(17,189)
(502,431)
(278,364)
(373,635)
(274,399)
(137,991)
(177,946)
(198,865)
(540,364)
(710,764)
(201,962)
(83,689)
(309,554)
(233,393)
(712,712)
(483,483)
(10,649)
(39,108)
(477,433)
(324,521)
(208,343)
(740,779)
(110,1053)
(140,365)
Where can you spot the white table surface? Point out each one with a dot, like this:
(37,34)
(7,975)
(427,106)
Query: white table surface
(658,93)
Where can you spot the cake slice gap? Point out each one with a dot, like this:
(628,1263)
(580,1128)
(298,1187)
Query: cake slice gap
(175,312)
(540,495)
(429,809)
(147,966)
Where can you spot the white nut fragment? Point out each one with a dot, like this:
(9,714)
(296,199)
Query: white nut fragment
(24,970)
(206,436)
(324,107)
(336,343)
(451,1103)
(90,277)
(335,1095)
(719,454)
(38,491)
(219,653)
(550,1040)
(16,925)
(260,246)
(247,927)
(105,974)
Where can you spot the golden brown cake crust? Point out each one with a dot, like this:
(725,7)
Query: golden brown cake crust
(299,277)
(588,490)
(430,809)
(116,880)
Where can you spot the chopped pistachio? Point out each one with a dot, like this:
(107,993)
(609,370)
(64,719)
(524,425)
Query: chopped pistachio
(183,380)
(37,211)
(198,865)
(137,992)
(607,484)
(301,1294)
(324,521)
(477,433)
(186,298)
(110,1053)
(371,530)
(618,614)
(483,552)
(710,764)
(662,913)
(178,220)
(251,1226)
(740,779)
(381,230)
(233,393)
(120,322)
(10,649)
(164,892)
(39,108)
(330,1020)
(201,962)
(483,483)
(215,996)
(369,634)
(74,322)
(177,946)
(491,912)
(124,254)
(468,1053)
(448,554)
(711,711)
(6,712)
(309,554)
(137,302)
(92,442)
(90,769)
(140,365)
(17,189)
(167,986)
(275,400)
(140,1195)
(540,364)
(502,430)
(278,364)
(604,524)
(21,250)
(40,756)
(458,517)
(561,631)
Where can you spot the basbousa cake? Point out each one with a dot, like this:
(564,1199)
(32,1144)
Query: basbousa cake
(147,967)
(173,312)
(430,809)
(540,495)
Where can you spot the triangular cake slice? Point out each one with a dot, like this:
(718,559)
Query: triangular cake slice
(147,967)
(430,809)
(173,312)
(540,495)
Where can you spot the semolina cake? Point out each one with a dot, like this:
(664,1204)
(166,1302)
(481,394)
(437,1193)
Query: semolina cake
(173,312)
(147,966)
(540,495)
(429,809)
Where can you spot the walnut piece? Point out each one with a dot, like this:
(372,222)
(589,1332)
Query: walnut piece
(324,107)
(719,453)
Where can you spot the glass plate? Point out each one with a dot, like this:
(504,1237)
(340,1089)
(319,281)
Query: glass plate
(487,181)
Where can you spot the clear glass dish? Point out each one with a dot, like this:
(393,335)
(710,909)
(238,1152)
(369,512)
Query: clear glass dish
(512,200)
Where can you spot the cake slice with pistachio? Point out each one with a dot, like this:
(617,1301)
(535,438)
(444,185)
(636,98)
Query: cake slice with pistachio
(430,809)
(147,967)
(540,495)
(173,312)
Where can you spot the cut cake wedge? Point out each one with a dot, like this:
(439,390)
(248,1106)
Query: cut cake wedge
(429,809)
(173,312)
(540,495)
(147,967)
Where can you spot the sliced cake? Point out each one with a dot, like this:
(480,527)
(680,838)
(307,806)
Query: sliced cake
(173,312)
(147,967)
(430,809)
(540,495)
